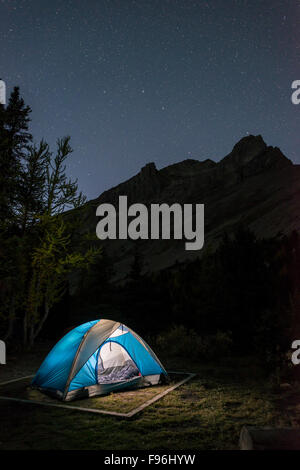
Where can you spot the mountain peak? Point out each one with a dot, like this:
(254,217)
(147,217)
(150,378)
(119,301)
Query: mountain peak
(148,170)
(253,154)
(246,149)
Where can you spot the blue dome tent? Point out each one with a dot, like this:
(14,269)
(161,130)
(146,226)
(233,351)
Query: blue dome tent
(96,358)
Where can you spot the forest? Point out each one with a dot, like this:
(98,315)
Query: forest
(35,254)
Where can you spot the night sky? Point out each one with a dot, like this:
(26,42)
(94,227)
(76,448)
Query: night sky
(156,80)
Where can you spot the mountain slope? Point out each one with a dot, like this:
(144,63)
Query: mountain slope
(254,184)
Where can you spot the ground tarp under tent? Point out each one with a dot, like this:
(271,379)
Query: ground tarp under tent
(97,358)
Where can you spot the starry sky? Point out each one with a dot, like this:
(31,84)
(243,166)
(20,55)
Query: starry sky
(153,80)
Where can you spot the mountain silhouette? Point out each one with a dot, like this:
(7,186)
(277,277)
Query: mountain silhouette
(254,185)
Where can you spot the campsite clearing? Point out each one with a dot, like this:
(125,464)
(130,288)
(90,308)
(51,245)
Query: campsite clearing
(124,404)
(207,412)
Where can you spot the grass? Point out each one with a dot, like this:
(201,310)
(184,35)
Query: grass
(121,402)
(206,413)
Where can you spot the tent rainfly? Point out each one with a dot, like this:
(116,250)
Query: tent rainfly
(97,358)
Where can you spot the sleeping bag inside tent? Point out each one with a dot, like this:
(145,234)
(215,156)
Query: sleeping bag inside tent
(96,358)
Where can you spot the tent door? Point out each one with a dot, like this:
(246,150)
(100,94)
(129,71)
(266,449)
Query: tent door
(114,364)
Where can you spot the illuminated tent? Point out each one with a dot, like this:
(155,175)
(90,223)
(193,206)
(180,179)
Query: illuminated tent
(96,358)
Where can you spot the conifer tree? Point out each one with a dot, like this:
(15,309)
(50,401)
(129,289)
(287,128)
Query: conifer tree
(52,257)
(61,193)
(52,260)
(15,141)
(14,144)
(31,201)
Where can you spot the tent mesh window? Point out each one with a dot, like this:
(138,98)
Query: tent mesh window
(115,364)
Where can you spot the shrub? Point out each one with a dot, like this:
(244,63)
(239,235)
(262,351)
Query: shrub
(181,341)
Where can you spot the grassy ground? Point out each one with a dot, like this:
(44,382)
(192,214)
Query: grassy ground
(205,413)
(121,402)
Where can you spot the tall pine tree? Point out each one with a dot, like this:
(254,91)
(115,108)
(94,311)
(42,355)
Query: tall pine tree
(15,141)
